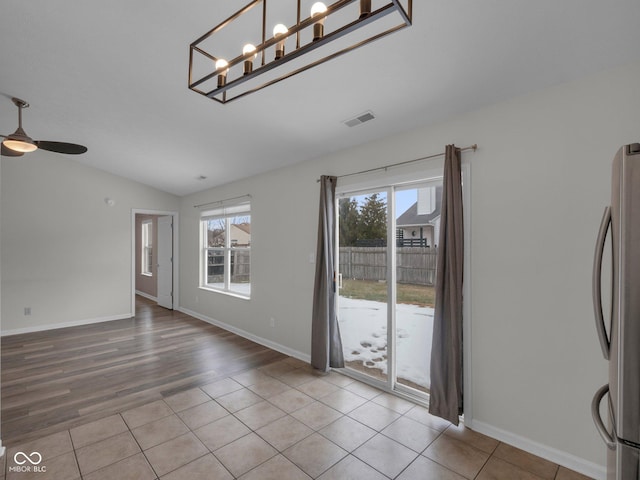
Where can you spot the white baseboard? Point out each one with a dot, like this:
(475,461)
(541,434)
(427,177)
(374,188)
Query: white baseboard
(249,336)
(146,295)
(565,459)
(52,326)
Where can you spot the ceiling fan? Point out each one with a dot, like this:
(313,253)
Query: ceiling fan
(19,143)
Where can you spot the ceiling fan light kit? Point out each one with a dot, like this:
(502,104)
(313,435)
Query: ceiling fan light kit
(223,70)
(19,143)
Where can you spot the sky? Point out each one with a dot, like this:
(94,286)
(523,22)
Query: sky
(404,199)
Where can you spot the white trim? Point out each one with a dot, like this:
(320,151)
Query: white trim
(176,252)
(392,288)
(467,358)
(146,295)
(3,450)
(250,336)
(229,210)
(227,249)
(146,241)
(231,293)
(554,455)
(76,323)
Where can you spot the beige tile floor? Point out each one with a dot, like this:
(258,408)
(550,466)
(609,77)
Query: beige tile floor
(282,421)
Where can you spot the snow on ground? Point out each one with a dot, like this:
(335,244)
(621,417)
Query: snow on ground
(363,328)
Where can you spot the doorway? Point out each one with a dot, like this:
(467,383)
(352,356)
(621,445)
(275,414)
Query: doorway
(387,249)
(154,256)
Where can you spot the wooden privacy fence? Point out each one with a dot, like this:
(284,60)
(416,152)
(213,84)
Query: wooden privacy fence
(240,266)
(414,265)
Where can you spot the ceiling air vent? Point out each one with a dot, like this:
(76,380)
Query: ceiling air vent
(359,119)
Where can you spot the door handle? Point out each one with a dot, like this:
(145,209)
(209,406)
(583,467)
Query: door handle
(595,413)
(596,283)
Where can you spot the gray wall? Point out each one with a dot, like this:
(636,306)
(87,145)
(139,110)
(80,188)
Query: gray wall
(66,253)
(543,166)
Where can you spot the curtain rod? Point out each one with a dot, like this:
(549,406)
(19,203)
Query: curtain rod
(473,147)
(222,201)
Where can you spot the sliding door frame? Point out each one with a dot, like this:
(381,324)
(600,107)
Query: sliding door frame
(430,170)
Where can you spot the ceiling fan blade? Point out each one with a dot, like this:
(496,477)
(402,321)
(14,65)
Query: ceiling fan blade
(7,152)
(61,147)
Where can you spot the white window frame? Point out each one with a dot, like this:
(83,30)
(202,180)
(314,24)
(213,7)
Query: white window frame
(146,266)
(225,213)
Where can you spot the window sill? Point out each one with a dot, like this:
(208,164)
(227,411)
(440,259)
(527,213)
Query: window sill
(225,292)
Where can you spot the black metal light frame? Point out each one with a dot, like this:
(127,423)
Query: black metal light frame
(224,92)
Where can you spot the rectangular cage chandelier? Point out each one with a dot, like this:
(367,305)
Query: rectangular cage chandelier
(253,48)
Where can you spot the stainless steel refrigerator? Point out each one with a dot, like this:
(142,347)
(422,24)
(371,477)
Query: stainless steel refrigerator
(620,334)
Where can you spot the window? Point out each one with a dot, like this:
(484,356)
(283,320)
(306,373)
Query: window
(386,296)
(226,249)
(147,248)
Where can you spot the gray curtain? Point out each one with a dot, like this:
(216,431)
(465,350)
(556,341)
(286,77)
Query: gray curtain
(446,351)
(326,346)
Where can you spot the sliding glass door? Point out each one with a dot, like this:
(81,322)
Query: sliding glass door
(387,256)
(417,232)
(363,292)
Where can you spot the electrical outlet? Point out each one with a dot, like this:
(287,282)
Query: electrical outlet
(197,299)
(27,310)
(272,322)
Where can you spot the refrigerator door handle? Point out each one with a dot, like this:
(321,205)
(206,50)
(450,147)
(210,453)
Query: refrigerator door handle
(595,413)
(596,283)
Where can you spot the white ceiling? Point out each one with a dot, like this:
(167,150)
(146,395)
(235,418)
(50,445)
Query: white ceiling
(113,76)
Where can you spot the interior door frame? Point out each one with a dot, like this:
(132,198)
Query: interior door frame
(176,253)
(409,175)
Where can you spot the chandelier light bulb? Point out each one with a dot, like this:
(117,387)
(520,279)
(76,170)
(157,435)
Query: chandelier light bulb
(248,48)
(221,63)
(248,63)
(280,31)
(318,8)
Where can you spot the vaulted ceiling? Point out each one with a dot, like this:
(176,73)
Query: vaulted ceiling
(113,76)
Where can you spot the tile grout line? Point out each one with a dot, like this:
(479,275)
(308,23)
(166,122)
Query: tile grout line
(378,432)
(75,455)
(318,431)
(265,397)
(288,414)
(139,446)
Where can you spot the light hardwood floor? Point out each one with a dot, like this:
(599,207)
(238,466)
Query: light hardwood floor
(166,396)
(58,379)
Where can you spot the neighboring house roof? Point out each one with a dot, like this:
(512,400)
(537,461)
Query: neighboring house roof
(245,227)
(411,218)
(217,237)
